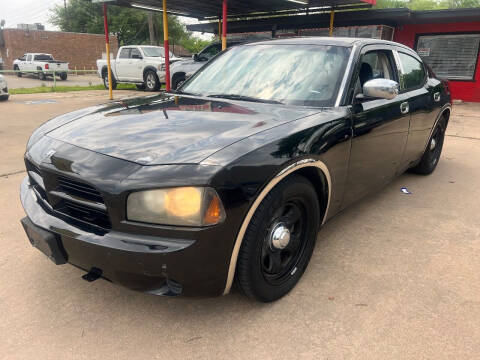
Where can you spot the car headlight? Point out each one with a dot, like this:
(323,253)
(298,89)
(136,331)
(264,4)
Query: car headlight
(182,206)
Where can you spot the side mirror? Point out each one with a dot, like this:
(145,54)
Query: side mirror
(380,89)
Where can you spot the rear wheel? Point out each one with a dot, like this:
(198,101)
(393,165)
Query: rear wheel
(431,156)
(140,87)
(63,76)
(41,75)
(279,240)
(151,81)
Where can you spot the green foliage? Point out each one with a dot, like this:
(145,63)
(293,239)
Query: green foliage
(48,89)
(130,25)
(427,4)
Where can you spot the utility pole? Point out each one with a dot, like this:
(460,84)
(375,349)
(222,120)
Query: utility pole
(151,29)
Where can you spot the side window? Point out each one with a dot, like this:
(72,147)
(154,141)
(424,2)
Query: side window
(29,58)
(413,76)
(374,65)
(23,58)
(209,52)
(125,53)
(135,54)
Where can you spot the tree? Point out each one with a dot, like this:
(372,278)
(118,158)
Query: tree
(427,4)
(130,25)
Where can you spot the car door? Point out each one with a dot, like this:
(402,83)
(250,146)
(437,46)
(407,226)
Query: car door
(136,65)
(28,64)
(122,64)
(422,100)
(379,126)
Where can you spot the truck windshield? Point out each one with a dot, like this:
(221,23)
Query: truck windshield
(308,75)
(155,51)
(43,57)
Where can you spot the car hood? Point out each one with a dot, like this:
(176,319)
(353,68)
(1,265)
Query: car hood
(170,129)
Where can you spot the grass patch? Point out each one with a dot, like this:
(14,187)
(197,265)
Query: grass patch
(62,89)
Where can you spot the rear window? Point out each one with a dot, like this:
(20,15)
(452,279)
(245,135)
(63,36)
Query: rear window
(43,57)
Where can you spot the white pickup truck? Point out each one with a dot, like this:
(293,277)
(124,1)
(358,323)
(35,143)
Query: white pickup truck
(42,64)
(141,65)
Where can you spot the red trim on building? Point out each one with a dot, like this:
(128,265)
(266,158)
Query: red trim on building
(407,35)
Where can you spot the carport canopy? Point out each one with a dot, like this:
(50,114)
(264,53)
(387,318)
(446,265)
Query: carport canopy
(222,9)
(213,9)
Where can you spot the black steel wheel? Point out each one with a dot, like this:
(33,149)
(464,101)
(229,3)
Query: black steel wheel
(151,81)
(19,74)
(279,240)
(63,76)
(431,156)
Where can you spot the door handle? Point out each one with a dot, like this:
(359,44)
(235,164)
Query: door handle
(437,96)
(404,107)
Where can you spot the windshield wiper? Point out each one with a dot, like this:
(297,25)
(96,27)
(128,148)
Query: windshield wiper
(243,98)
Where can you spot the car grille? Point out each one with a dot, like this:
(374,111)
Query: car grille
(71,198)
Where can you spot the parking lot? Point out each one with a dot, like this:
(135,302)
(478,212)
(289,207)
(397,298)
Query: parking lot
(395,276)
(31,80)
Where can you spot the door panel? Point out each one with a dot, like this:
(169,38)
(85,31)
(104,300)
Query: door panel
(122,64)
(380,128)
(380,132)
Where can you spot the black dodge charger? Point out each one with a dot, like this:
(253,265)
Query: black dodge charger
(229,179)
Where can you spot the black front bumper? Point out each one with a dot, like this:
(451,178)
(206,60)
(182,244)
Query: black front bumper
(161,266)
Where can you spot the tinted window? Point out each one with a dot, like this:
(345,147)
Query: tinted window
(413,76)
(23,58)
(124,54)
(43,57)
(292,74)
(209,52)
(135,54)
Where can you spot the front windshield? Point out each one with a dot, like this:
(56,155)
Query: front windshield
(155,51)
(308,75)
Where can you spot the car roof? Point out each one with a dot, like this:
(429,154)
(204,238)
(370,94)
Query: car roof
(322,40)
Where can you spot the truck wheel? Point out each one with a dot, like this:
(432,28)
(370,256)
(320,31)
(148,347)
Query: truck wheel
(19,74)
(41,76)
(177,80)
(63,76)
(279,240)
(151,81)
(105,81)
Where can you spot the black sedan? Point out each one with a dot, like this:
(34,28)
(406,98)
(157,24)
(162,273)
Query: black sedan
(229,179)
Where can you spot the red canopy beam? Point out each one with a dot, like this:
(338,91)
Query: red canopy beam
(224,23)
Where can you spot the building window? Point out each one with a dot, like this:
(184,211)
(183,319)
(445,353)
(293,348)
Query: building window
(452,57)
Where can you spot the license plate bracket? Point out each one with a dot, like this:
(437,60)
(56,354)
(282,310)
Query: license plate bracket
(45,241)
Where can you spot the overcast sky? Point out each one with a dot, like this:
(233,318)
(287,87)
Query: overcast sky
(35,11)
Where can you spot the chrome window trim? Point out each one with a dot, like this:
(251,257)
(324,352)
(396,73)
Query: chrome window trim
(246,221)
(345,77)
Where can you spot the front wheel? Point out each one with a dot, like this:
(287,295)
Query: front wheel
(19,74)
(177,80)
(429,161)
(151,81)
(279,240)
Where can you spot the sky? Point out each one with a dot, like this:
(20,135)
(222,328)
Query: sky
(37,11)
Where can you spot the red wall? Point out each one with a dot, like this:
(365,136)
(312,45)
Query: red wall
(463,90)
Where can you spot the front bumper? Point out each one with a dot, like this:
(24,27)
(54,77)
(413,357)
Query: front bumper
(161,76)
(161,266)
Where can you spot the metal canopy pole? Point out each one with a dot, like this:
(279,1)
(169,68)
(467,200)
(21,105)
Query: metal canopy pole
(332,16)
(224,23)
(165,44)
(107,45)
